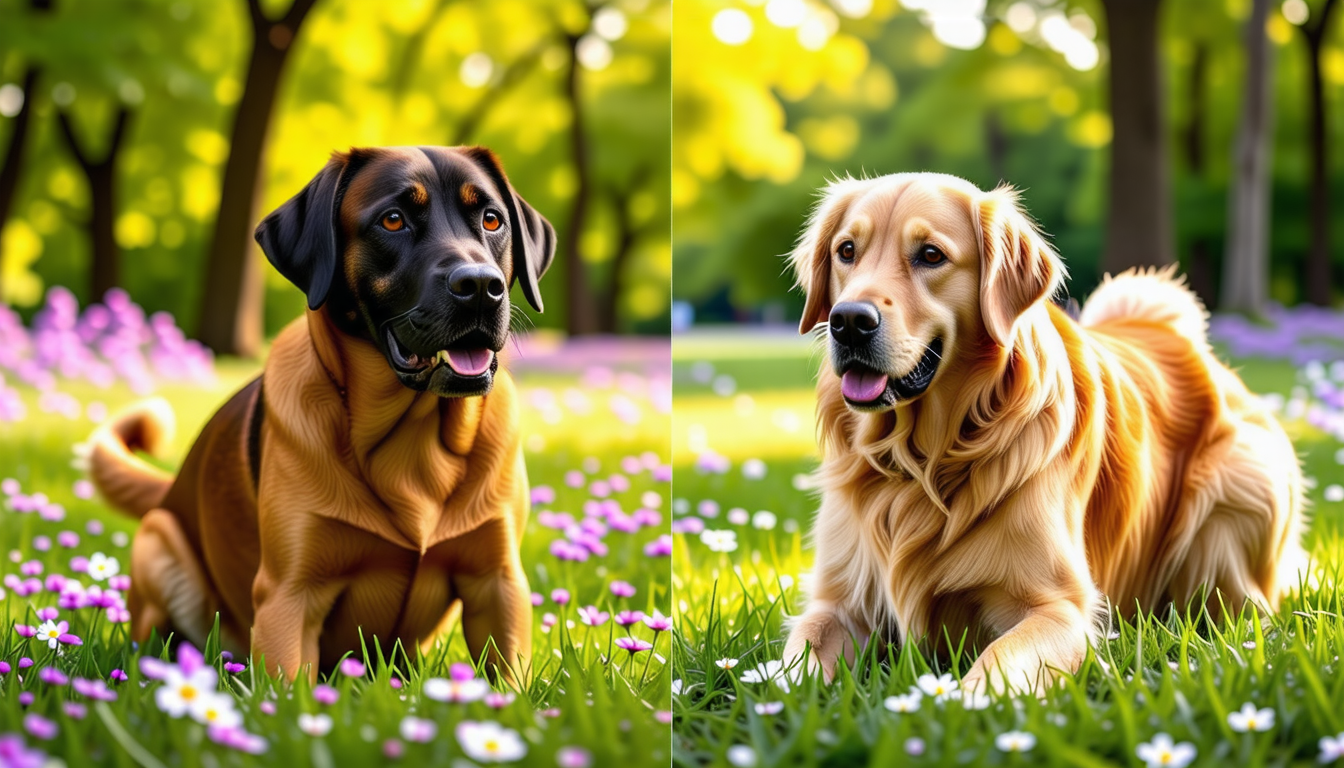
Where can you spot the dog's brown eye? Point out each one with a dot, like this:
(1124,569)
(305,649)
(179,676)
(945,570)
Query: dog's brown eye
(846,252)
(490,221)
(930,254)
(393,222)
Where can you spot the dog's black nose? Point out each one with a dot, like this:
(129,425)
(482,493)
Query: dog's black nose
(477,285)
(854,322)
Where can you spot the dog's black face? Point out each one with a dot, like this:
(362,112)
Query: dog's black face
(414,249)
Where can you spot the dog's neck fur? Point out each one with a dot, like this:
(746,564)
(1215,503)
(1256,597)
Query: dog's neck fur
(939,440)
(361,374)
(385,434)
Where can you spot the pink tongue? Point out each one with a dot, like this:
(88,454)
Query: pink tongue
(470,362)
(863,386)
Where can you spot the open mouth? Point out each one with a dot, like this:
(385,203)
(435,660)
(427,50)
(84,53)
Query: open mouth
(864,387)
(468,358)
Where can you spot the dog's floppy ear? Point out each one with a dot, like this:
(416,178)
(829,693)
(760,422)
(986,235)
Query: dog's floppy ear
(811,258)
(300,237)
(1017,266)
(533,236)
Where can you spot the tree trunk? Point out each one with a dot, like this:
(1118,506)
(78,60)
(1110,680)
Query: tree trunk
(1246,265)
(105,270)
(581,309)
(1139,224)
(1318,271)
(13,163)
(1201,273)
(233,293)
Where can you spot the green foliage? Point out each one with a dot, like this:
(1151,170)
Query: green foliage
(760,126)
(423,72)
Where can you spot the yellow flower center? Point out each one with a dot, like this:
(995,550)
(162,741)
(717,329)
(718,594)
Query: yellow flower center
(188,692)
(1165,757)
(492,746)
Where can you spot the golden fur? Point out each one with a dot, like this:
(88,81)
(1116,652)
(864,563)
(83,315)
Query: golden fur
(1050,467)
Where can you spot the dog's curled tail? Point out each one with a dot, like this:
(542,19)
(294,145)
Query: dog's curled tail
(126,481)
(1149,293)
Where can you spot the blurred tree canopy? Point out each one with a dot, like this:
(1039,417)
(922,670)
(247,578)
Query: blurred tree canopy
(772,99)
(357,73)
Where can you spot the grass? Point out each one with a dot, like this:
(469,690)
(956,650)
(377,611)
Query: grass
(1172,672)
(583,692)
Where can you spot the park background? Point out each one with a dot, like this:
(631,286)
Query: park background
(140,143)
(1198,132)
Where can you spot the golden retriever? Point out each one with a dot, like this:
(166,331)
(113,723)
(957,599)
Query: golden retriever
(995,470)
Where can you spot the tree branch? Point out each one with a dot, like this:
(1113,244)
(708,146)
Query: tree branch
(294,17)
(71,140)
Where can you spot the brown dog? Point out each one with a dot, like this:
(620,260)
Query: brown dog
(991,466)
(372,476)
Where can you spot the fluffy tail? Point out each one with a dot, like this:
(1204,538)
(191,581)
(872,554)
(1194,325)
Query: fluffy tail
(128,482)
(1149,293)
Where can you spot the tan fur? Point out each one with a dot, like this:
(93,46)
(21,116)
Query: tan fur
(377,509)
(1050,466)
(468,194)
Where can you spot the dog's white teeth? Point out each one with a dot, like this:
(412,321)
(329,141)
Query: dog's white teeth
(441,356)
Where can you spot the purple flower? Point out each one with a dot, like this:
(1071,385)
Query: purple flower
(79,564)
(25,630)
(461,672)
(626,618)
(622,589)
(393,749)
(537,599)
(419,730)
(75,710)
(26,698)
(233,667)
(39,726)
(325,694)
(352,667)
(83,489)
(497,700)
(659,547)
(14,754)
(573,757)
(592,616)
(658,622)
(67,539)
(4,668)
(120,582)
(52,676)
(48,614)
(31,568)
(94,689)
(395,683)
(56,582)
(154,669)
(25,662)
(237,738)
(543,494)
(267,707)
(118,675)
(633,644)
(560,596)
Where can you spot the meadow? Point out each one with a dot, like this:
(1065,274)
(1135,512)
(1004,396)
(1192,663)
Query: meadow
(1170,689)
(74,688)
